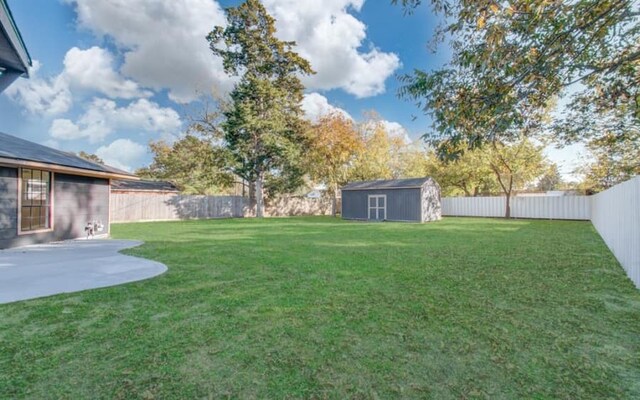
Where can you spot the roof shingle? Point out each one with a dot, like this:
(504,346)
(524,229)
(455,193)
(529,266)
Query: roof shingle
(19,149)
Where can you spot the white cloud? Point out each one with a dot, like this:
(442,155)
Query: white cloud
(103,117)
(93,69)
(122,153)
(164,46)
(331,38)
(316,105)
(39,95)
(163,42)
(395,129)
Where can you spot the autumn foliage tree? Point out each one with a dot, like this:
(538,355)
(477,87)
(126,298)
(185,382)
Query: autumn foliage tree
(334,146)
(381,154)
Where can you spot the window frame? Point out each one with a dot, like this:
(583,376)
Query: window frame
(377,207)
(51,218)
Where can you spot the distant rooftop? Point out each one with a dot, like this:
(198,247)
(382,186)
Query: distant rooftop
(16,149)
(388,184)
(143,186)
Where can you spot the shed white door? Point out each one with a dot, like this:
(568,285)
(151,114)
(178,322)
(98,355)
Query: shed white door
(378,207)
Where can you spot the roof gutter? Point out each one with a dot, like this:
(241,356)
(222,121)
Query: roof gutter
(15,38)
(9,162)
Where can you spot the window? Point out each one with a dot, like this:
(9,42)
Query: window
(35,200)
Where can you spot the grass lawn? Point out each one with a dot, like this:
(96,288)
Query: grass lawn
(321,308)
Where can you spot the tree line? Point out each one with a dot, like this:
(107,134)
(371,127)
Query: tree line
(493,106)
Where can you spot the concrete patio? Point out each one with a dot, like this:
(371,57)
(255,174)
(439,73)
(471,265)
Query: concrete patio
(44,270)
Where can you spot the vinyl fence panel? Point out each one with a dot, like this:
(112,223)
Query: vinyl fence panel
(551,207)
(543,207)
(473,206)
(615,213)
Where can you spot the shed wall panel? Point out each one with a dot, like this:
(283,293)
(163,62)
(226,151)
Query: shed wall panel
(402,204)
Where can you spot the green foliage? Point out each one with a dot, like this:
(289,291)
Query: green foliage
(193,163)
(264,129)
(613,159)
(511,59)
(551,180)
(91,157)
(381,154)
(319,308)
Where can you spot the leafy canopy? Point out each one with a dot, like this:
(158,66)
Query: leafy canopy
(511,58)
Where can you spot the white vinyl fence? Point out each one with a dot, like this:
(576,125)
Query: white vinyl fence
(543,207)
(615,213)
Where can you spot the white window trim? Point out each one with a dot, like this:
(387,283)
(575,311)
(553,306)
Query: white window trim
(369,208)
(51,205)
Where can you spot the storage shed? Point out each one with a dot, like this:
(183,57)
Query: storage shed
(412,200)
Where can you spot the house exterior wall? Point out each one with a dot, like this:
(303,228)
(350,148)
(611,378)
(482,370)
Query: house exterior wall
(402,204)
(76,201)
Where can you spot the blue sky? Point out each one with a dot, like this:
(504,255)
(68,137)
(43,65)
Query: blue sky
(111,75)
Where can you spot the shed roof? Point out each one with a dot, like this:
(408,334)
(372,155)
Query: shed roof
(388,184)
(143,186)
(13,52)
(16,151)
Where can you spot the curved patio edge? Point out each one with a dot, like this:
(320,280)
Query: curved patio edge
(72,266)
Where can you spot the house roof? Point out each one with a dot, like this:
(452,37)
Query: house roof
(13,53)
(388,184)
(143,186)
(16,151)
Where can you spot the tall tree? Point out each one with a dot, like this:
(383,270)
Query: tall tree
(264,129)
(334,145)
(511,58)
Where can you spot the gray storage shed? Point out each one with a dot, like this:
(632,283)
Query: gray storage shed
(414,200)
(48,195)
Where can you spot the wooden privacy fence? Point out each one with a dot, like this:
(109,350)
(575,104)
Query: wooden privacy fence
(149,206)
(134,207)
(543,207)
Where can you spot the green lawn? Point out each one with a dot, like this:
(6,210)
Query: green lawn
(321,308)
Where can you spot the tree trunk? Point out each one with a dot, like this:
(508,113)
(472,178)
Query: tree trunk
(334,202)
(507,213)
(259,197)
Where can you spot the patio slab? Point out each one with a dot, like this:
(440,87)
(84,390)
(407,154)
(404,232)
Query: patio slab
(44,270)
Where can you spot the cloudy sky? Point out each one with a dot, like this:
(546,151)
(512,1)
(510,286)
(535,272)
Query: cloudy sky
(109,76)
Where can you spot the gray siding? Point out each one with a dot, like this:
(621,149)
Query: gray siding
(402,204)
(76,201)
(8,203)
